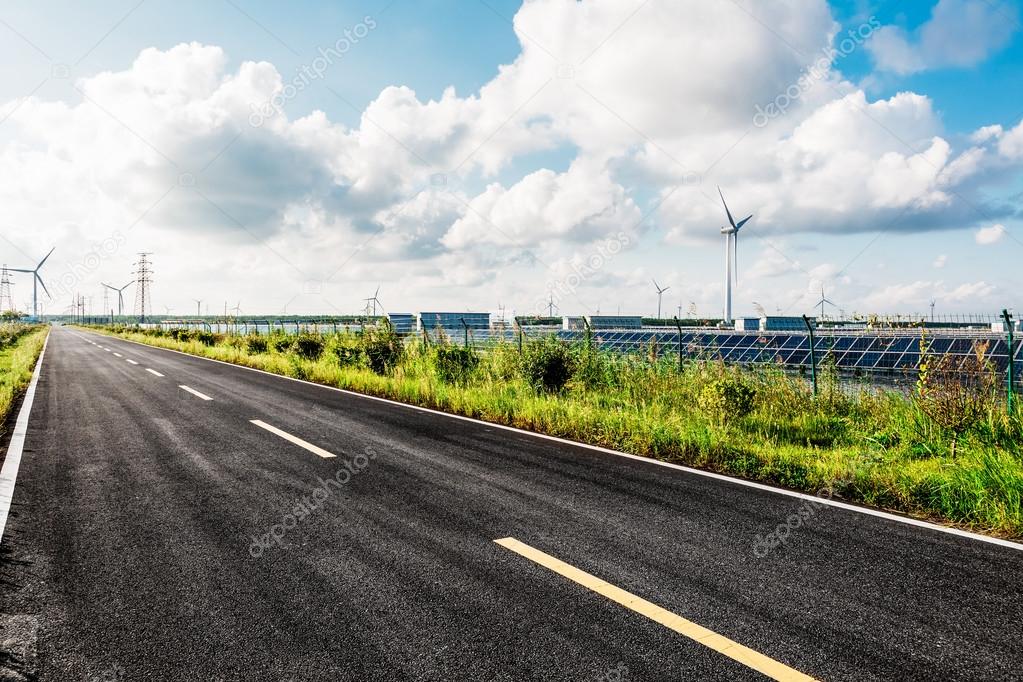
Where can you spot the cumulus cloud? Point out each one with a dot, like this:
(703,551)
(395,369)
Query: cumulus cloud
(990,235)
(959,33)
(436,193)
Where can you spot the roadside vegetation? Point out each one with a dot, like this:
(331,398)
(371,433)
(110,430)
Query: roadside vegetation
(948,450)
(20,345)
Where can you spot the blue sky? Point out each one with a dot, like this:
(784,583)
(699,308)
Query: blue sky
(875,184)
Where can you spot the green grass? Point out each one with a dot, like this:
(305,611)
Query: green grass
(875,448)
(20,346)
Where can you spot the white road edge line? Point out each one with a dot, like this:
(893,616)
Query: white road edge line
(118,354)
(294,439)
(9,473)
(196,393)
(906,520)
(131,361)
(153,372)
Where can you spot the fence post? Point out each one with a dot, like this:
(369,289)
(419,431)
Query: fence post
(678,324)
(813,354)
(462,320)
(1011,374)
(589,336)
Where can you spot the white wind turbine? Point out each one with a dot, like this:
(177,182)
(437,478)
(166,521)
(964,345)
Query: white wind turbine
(731,254)
(660,292)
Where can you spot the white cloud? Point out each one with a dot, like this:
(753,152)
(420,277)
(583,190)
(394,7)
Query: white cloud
(941,261)
(642,105)
(959,33)
(990,235)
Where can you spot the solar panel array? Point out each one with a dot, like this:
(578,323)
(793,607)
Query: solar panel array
(867,351)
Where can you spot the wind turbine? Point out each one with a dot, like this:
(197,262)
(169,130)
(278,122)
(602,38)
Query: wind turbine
(36,282)
(373,301)
(824,299)
(660,292)
(731,254)
(198,307)
(120,296)
(551,306)
(237,310)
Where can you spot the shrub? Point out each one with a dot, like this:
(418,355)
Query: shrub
(383,348)
(256,344)
(282,343)
(309,346)
(347,350)
(547,364)
(727,396)
(206,338)
(455,364)
(956,394)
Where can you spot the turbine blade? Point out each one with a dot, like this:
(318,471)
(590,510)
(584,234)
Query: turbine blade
(731,220)
(743,222)
(47,258)
(18,270)
(43,285)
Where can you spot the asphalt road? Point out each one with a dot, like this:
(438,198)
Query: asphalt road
(154,535)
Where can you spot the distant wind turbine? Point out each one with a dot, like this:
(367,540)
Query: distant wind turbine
(660,292)
(120,296)
(824,299)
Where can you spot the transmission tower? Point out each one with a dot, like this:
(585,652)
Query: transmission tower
(143,285)
(6,302)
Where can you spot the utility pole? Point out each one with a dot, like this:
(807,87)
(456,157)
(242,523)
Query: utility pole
(143,286)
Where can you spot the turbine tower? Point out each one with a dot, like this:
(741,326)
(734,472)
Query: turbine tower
(144,281)
(660,292)
(731,252)
(37,281)
(6,302)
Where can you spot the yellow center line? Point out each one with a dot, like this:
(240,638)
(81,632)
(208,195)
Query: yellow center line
(294,439)
(710,639)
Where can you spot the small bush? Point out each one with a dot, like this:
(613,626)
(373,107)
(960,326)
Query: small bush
(957,394)
(257,345)
(206,338)
(547,364)
(727,397)
(347,350)
(282,343)
(309,346)
(383,349)
(455,364)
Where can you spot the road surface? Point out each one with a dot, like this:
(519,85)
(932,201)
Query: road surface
(176,518)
